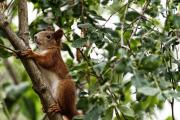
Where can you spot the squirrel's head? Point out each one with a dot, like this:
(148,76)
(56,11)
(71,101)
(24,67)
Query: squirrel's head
(48,38)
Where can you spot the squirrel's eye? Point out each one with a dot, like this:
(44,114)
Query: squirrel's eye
(48,36)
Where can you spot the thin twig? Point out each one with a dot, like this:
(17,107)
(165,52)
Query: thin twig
(67,38)
(114,14)
(172,108)
(174,88)
(114,100)
(9,5)
(123,22)
(109,18)
(139,20)
(14,51)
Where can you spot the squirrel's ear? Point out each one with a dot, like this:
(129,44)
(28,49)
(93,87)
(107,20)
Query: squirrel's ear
(49,28)
(58,34)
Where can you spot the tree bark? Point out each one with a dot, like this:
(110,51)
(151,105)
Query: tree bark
(21,44)
(23,21)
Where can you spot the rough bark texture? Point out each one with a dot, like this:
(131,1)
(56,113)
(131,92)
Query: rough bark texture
(23,21)
(20,43)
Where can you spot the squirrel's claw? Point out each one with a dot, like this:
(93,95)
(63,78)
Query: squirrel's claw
(25,53)
(54,108)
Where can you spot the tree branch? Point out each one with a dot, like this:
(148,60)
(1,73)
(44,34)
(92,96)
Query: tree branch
(23,34)
(172,108)
(138,22)
(32,69)
(11,71)
(23,21)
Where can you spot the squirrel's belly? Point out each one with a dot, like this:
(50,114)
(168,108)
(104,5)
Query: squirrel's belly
(52,80)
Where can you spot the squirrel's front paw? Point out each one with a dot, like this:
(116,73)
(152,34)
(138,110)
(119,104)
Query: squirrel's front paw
(26,53)
(54,108)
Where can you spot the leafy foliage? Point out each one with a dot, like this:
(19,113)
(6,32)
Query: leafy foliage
(126,70)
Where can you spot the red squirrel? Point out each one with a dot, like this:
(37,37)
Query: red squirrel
(48,58)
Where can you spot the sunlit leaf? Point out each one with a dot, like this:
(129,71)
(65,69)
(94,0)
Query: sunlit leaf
(99,67)
(150,91)
(30,110)
(139,81)
(127,111)
(109,113)
(78,43)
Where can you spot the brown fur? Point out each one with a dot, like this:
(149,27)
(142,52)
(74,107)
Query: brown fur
(48,57)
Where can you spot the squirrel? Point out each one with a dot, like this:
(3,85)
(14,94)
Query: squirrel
(49,60)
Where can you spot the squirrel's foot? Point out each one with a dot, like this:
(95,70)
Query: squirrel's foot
(54,108)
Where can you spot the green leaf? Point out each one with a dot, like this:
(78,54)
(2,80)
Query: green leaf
(77,10)
(5,53)
(95,36)
(99,17)
(165,84)
(138,80)
(104,2)
(153,11)
(83,102)
(169,118)
(151,62)
(94,113)
(85,25)
(30,110)
(57,12)
(99,67)
(78,43)
(170,42)
(176,21)
(81,67)
(132,15)
(135,43)
(14,92)
(127,111)
(94,15)
(67,48)
(123,66)
(109,113)
(149,91)
(172,94)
